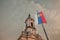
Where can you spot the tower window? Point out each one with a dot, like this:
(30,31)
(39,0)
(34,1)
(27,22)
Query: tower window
(31,24)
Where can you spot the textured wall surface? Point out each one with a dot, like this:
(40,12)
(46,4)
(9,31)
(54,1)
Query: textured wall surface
(14,12)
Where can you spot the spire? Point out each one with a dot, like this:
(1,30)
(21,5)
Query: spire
(29,16)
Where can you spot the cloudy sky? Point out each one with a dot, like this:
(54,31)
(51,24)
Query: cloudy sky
(14,12)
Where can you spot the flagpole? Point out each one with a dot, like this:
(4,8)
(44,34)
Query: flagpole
(45,32)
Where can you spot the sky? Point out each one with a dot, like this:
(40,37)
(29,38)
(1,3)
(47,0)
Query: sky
(14,12)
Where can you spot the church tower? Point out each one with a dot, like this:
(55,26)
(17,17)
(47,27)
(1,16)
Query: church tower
(30,31)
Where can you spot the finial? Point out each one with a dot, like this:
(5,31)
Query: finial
(29,16)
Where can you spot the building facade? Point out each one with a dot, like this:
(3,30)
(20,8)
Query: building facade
(29,32)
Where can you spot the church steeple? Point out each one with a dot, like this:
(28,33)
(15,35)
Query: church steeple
(29,21)
(30,24)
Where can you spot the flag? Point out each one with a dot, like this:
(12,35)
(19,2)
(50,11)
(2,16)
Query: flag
(41,18)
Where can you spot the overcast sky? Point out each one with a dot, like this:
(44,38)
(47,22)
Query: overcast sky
(14,12)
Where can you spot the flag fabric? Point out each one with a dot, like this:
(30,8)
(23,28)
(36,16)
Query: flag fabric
(36,19)
(40,18)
